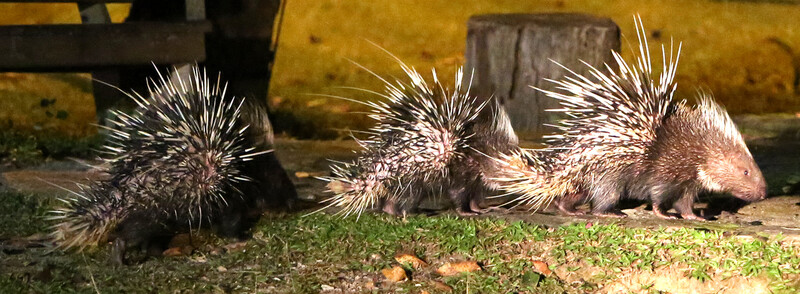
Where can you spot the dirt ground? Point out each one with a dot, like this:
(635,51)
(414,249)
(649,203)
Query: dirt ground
(778,158)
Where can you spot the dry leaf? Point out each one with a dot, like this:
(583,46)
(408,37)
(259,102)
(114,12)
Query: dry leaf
(369,285)
(442,286)
(395,274)
(412,260)
(452,269)
(173,251)
(541,267)
(222,269)
(237,246)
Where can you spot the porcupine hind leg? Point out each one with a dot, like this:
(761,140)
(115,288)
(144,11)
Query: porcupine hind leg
(403,203)
(233,222)
(466,196)
(567,203)
(138,230)
(604,198)
(390,206)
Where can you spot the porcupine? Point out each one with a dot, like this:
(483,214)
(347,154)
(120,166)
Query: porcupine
(427,141)
(187,156)
(625,137)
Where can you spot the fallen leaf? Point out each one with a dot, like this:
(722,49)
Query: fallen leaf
(541,267)
(237,246)
(395,274)
(173,251)
(222,269)
(441,286)
(454,268)
(369,285)
(412,260)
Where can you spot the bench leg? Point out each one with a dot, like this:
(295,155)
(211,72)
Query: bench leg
(105,93)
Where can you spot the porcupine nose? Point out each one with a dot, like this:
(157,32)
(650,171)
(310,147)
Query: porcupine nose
(762,192)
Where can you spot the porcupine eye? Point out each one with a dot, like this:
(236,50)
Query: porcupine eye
(746,172)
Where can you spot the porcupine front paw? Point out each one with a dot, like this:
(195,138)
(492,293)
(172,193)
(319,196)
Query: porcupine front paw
(661,213)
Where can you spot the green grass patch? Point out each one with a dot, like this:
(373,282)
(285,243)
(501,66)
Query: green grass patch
(22,214)
(21,148)
(297,254)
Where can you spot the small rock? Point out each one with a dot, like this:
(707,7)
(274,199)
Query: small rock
(222,269)
(327,288)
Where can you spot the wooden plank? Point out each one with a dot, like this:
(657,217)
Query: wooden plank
(66,1)
(509,53)
(82,47)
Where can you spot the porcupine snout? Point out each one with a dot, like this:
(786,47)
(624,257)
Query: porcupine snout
(737,173)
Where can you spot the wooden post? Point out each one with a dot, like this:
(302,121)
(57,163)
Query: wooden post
(241,44)
(104,96)
(509,53)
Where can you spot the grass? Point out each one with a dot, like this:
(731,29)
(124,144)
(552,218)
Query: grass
(23,149)
(727,50)
(304,254)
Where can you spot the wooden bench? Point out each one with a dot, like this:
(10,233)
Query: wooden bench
(101,47)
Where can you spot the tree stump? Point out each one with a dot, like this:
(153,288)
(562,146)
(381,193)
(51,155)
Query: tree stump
(509,53)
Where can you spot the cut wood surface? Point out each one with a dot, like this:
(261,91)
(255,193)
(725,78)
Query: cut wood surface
(509,53)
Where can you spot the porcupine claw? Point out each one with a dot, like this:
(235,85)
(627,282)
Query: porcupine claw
(659,212)
(613,213)
(693,217)
(571,211)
